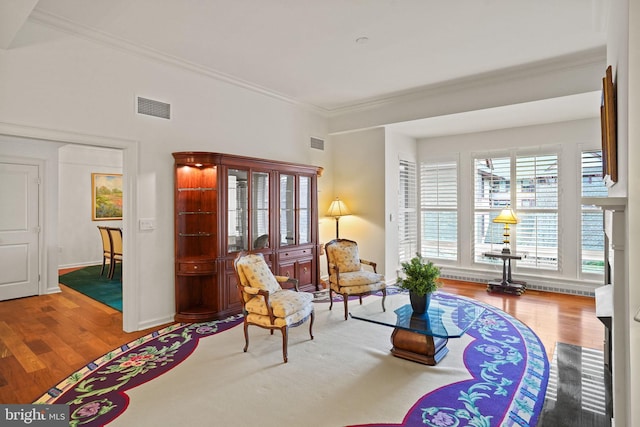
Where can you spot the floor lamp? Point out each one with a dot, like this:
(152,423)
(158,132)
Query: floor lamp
(506,217)
(336,210)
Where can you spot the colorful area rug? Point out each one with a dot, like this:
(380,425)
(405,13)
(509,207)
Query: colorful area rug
(88,281)
(496,375)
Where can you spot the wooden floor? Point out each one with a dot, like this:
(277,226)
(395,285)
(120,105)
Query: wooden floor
(46,338)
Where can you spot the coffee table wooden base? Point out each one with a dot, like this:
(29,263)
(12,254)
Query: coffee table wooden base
(418,347)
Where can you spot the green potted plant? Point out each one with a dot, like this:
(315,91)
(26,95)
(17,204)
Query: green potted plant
(421,279)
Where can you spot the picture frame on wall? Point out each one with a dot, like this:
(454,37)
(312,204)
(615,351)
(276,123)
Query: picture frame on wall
(106,196)
(608,124)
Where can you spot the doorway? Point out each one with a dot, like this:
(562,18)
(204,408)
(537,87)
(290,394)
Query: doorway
(19,228)
(14,141)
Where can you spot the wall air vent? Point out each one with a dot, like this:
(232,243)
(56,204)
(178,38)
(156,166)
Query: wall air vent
(149,107)
(317,143)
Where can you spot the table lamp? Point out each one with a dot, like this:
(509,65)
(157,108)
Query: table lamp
(336,210)
(506,217)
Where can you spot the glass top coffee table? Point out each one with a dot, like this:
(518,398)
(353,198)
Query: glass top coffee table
(421,337)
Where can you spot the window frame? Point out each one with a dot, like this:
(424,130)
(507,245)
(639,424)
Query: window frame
(440,209)
(581,273)
(408,195)
(476,258)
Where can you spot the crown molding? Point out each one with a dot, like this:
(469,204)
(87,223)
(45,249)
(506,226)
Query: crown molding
(565,62)
(62,24)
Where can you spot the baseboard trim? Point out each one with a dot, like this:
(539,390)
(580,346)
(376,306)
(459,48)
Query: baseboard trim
(551,287)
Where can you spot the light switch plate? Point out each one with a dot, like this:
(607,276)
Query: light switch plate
(147,224)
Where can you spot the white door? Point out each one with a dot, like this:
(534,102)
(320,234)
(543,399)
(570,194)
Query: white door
(19,230)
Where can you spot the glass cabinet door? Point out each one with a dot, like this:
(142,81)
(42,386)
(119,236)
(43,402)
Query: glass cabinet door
(287,210)
(260,209)
(304,198)
(237,204)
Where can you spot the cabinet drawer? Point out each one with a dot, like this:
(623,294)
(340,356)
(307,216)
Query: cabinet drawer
(288,270)
(304,272)
(196,267)
(295,254)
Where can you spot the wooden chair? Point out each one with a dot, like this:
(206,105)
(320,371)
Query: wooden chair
(265,303)
(347,276)
(115,235)
(111,248)
(106,247)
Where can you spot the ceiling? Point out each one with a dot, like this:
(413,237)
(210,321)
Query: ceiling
(333,54)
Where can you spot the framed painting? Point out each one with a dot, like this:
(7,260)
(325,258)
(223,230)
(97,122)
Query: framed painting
(106,196)
(608,122)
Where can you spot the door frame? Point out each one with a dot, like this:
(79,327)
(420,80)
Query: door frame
(130,152)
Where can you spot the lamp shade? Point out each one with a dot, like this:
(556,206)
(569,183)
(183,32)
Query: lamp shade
(338,209)
(507,216)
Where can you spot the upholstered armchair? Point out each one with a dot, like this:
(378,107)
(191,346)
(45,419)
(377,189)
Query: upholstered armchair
(347,276)
(265,303)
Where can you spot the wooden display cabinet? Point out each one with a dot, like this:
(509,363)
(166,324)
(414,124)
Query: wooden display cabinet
(225,204)
(196,201)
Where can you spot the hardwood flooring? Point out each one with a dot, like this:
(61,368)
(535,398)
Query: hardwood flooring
(43,339)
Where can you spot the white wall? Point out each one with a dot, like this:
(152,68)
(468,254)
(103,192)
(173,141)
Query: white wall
(568,139)
(633,147)
(57,82)
(78,237)
(397,146)
(623,54)
(359,180)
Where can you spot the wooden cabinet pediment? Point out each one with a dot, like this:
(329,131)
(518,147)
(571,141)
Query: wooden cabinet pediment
(225,204)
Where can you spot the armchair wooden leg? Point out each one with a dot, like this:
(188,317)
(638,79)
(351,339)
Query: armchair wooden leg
(246,335)
(313,316)
(104,261)
(330,298)
(345,298)
(285,340)
(384,296)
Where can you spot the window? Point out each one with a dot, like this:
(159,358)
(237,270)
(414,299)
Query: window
(534,199)
(537,209)
(592,234)
(439,210)
(492,192)
(407,205)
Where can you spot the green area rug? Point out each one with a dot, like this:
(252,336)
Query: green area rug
(88,281)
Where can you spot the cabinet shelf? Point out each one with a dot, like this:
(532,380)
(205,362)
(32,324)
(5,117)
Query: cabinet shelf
(196,189)
(196,213)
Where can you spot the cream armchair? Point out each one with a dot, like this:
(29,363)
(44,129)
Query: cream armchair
(265,303)
(347,276)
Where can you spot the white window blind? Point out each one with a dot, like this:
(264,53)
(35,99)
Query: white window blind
(439,210)
(537,210)
(407,211)
(592,227)
(534,198)
(492,192)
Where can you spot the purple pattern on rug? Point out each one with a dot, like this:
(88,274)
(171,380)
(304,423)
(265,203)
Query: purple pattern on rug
(99,397)
(510,373)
